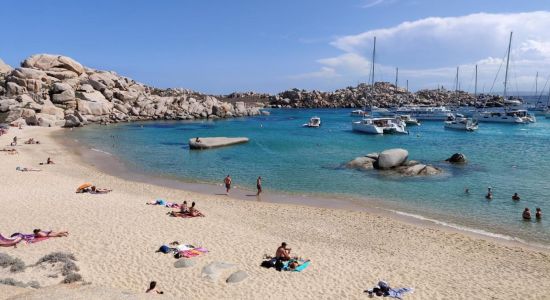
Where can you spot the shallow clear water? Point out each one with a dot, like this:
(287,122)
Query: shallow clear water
(290,158)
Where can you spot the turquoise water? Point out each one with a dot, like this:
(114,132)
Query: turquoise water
(290,158)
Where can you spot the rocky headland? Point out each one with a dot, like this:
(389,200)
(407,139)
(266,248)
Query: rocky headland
(54,90)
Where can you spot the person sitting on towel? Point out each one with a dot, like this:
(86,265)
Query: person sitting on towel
(283,253)
(184,210)
(193,212)
(40,233)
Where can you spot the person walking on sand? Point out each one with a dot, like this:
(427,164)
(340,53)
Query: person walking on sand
(259,185)
(14,143)
(227,182)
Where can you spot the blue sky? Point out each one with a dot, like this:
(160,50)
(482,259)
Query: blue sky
(268,46)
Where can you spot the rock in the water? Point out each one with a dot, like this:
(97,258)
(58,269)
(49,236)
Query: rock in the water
(429,170)
(391,158)
(457,158)
(184,263)
(373,155)
(362,163)
(413,170)
(212,142)
(237,277)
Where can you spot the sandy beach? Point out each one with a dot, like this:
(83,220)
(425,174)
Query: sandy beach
(115,236)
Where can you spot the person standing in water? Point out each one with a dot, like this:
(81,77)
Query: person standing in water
(259,185)
(227,182)
(538,214)
(489,195)
(526,214)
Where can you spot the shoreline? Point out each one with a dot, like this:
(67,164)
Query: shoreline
(114,238)
(110,164)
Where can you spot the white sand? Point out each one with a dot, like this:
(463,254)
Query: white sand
(115,236)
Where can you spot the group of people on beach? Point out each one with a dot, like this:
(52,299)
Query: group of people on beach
(228,181)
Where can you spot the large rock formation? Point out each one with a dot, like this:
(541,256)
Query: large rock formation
(54,90)
(383,94)
(392,161)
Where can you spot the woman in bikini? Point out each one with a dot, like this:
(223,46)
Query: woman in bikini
(40,233)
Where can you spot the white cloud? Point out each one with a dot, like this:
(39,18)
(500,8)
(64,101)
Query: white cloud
(325,73)
(428,50)
(372,3)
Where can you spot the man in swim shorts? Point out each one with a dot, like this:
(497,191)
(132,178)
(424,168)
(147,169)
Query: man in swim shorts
(227,182)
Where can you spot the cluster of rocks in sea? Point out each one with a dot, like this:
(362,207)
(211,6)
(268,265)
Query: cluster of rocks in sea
(53,90)
(383,94)
(393,161)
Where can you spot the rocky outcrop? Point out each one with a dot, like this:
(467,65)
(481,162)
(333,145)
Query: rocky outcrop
(214,142)
(55,90)
(457,158)
(383,94)
(391,158)
(392,161)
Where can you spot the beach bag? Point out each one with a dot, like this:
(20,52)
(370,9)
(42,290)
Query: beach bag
(268,264)
(164,249)
(279,265)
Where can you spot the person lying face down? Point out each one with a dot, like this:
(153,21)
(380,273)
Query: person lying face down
(96,190)
(41,233)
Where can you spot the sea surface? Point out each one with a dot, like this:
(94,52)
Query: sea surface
(297,160)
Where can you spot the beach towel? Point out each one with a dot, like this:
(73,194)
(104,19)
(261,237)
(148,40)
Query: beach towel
(303,265)
(29,238)
(6,242)
(399,293)
(192,252)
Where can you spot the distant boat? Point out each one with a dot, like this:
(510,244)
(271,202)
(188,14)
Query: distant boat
(313,122)
(459,122)
(410,121)
(380,126)
(358,113)
(511,116)
(425,113)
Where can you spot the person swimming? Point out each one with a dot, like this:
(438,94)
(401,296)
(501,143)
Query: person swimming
(489,195)
(526,214)
(516,197)
(538,214)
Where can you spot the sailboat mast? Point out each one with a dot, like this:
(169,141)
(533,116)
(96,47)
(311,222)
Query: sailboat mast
(537,84)
(396,76)
(507,65)
(475,86)
(373,57)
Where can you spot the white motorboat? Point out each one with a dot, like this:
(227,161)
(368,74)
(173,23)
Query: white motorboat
(382,112)
(425,113)
(410,121)
(379,126)
(459,122)
(512,117)
(313,122)
(358,113)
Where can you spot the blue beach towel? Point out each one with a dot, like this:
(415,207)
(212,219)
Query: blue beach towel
(300,268)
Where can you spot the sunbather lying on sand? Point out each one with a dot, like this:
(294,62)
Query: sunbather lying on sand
(31,141)
(96,190)
(183,210)
(295,263)
(41,233)
(27,169)
(163,203)
(9,151)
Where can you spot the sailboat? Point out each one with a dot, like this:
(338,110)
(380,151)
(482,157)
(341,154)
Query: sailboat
(378,125)
(514,116)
